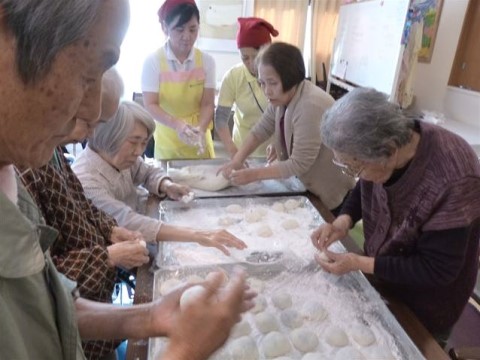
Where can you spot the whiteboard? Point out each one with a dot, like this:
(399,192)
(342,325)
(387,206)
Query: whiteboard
(368,45)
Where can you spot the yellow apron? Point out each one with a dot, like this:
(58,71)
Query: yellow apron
(180,94)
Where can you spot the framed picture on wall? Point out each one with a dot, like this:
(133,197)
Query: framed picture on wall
(218,23)
(430,11)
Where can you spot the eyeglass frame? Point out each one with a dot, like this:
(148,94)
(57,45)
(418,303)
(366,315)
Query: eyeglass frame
(347,170)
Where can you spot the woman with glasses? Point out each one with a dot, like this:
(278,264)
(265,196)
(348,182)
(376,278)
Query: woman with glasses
(293,116)
(240,87)
(419,197)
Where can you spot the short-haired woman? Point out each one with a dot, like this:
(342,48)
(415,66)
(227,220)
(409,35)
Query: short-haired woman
(293,116)
(111,168)
(419,198)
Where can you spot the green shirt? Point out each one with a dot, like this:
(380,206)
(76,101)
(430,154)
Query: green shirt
(36,304)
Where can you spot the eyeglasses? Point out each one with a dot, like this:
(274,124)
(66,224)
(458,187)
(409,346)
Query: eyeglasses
(348,170)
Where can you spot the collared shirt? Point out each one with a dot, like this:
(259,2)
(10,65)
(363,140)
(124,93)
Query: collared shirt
(80,250)
(116,192)
(151,68)
(36,303)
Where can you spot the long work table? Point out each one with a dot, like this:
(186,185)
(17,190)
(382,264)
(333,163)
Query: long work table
(138,348)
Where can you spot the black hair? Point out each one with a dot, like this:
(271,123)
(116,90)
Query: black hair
(186,12)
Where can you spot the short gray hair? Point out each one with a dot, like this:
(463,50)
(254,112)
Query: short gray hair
(108,137)
(365,125)
(43,28)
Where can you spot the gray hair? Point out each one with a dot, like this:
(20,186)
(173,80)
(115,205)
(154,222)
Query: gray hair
(112,91)
(365,125)
(108,137)
(43,28)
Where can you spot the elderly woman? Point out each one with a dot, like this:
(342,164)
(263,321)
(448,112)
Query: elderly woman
(110,170)
(419,198)
(293,117)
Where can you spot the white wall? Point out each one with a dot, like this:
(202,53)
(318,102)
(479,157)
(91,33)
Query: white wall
(431,82)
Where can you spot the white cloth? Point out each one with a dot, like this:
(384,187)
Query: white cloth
(115,192)
(151,68)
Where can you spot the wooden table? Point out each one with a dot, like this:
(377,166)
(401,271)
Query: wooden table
(138,349)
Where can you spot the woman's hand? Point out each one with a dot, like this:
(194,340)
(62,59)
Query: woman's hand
(271,154)
(226,169)
(173,190)
(326,234)
(128,254)
(187,133)
(120,234)
(342,263)
(220,239)
(243,176)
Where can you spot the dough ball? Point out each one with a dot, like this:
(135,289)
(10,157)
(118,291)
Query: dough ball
(169,285)
(380,352)
(335,336)
(291,318)
(315,356)
(226,221)
(291,204)
(191,295)
(234,209)
(241,329)
(314,311)
(223,273)
(290,224)
(266,322)
(254,215)
(260,304)
(194,279)
(278,206)
(243,348)
(324,256)
(264,231)
(256,285)
(349,353)
(304,340)
(362,334)
(282,300)
(275,344)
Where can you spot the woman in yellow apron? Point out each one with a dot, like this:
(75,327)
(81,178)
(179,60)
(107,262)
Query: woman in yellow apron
(240,87)
(178,85)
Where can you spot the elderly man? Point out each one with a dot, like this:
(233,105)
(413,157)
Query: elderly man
(54,53)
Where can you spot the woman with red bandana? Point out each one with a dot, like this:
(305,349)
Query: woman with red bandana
(178,85)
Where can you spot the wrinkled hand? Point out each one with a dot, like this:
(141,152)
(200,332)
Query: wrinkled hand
(338,263)
(326,234)
(219,239)
(226,169)
(243,176)
(203,326)
(271,154)
(175,191)
(188,134)
(120,234)
(128,254)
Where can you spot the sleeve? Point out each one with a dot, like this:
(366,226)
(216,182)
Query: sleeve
(353,204)
(265,127)
(149,176)
(151,74)
(210,71)
(437,260)
(226,95)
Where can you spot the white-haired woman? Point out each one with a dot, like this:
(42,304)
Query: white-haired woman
(419,198)
(111,168)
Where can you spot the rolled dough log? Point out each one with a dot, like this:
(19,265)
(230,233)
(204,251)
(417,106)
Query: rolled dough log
(202,177)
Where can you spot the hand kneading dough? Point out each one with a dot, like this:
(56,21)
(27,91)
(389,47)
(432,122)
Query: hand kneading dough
(241,329)
(304,340)
(234,209)
(362,334)
(314,311)
(291,318)
(291,204)
(290,224)
(202,177)
(335,336)
(278,206)
(243,348)
(266,322)
(260,304)
(275,344)
(264,231)
(349,353)
(282,300)
(169,285)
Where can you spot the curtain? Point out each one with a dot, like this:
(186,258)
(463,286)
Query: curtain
(287,16)
(324,28)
